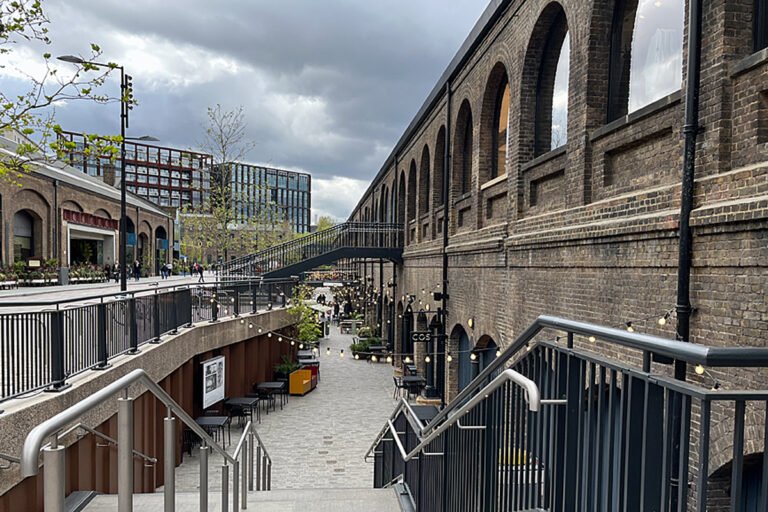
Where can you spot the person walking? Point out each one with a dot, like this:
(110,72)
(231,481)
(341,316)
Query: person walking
(116,273)
(168,270)
(136,270)
(200,271)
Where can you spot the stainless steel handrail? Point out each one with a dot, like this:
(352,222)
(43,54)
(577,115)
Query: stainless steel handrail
(532,397)
(54,454)
(108,439)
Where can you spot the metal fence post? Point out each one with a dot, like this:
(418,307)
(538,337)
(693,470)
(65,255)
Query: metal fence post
(133,328)
(254,299)
(251,442)
(235,485)
(156,318)
(125,454)
(58,375)
(101,336)
(244,476)
(54,464)
(215,305)
(225,487)
(174,313)
(236,303)
(169,462)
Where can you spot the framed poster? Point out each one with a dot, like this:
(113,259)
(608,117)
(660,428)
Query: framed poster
(213,381)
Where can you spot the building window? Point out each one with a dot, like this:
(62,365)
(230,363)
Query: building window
(424,192)
(760,29)
(412,191)
(462,156)
(646,53)
(499,132)
(23,236)
(551,128)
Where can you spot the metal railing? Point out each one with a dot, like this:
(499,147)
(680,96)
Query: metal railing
(346,235)
(249,447)
(619,437)
(43,343)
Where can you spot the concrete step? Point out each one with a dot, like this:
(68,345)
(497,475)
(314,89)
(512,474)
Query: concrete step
(289,500)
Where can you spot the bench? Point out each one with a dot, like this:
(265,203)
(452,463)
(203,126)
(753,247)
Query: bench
(301,382)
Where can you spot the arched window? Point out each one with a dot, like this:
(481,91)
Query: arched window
(412,191)
(646,53)
(424,192)
(551,129)
(499,131)
(401,200)
(462,156)
(437,177)
(23,236)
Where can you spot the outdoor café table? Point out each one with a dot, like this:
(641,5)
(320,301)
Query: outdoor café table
(305,354)
(274,388)
(414,383)
(213,424)
(248,403)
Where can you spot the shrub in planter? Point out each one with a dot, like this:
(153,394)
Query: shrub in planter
(284,369)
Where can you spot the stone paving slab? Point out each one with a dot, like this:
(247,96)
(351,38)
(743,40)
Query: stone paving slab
(333,500)
(319,440)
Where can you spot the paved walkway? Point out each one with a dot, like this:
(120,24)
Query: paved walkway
(318,440)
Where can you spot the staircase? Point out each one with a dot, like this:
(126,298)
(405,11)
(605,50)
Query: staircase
(314,500)
(552,424)
(347,240)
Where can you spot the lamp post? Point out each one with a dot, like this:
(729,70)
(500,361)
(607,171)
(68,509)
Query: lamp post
(126,97)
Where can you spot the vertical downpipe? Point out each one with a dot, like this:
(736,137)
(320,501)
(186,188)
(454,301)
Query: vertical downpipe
(445,194)
(685,254)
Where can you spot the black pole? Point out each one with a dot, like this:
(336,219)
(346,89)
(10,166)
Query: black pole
(445,192)
(685,253)
(123,208)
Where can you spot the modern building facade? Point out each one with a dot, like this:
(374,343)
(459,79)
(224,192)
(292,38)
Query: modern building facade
(543,176)
(278,194)
(168,177)
(55,212)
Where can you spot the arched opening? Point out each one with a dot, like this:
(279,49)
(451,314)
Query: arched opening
(646,59)
(486,351)
(460,339)
(412,191)
(424,195)
(439,172)
(131,242)
(495,121)
(384,205)
(721,488)
(161,248)
(142,250)
(462,157)
(27,229)
(401,201)
(760,25)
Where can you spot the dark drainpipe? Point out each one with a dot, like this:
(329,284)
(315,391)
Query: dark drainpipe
(445,193)
(685,254)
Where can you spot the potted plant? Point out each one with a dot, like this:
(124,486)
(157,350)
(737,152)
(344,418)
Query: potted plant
(284,369)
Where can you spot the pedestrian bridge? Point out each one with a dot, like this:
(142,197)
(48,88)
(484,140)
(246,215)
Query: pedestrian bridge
(349,240)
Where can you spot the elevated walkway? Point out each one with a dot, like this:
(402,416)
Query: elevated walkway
(344,241)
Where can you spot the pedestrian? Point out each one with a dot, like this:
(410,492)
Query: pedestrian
(200,271)
(168,270)
(136,270)
(116,272)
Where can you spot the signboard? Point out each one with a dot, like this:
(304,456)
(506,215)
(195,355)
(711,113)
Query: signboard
(419,336)
(213,381)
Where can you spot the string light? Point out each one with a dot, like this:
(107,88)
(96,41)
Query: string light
(407,359)
(629,327)
(473,356)
(250,326)
(341,353)
(389,359)
(699,370)
(269,335)
(427,359)
(591,339)
(357,356)
(261,330)
(328,351)
(374,358)
(242,321)
(449,358)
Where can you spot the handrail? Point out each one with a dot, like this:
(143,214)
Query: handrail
(532,397)
(33,443)
(108,439)
(681,350)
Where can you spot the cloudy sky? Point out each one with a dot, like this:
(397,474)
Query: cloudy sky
(327,86)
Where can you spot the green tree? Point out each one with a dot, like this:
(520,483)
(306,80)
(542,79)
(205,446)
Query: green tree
(307,328)
(325,222)
(217,225)
(31,113)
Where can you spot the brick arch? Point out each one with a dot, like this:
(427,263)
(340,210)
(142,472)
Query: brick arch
(399,200)
(538,81)
(73,205)
(39,208)
(424,181)
(438,167)
(101,212)
(497,96)
(463,142)
(721,435)
(411,193)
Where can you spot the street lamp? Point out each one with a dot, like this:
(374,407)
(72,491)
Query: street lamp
(126,97)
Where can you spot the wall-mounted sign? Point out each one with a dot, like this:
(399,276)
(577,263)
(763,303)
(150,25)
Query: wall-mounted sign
(419,336)
(213,381)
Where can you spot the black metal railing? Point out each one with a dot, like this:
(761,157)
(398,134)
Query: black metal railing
(607,436)
(43,343)
(346,235)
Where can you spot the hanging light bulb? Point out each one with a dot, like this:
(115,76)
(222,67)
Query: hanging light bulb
(341,353)
(629,327)
(663,320)
(449,358)
(374,358)
(473,356)
(269,335)
(389,359)
(261,330)
(427,359)
(242,320)
(357,356)
(407,359)
(699,370)
(498,353)
(591,339)
(250,325)
(328,351)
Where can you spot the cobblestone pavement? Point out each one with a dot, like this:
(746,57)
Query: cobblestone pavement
(318,440)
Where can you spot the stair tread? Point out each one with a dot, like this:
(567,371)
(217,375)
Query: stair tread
(283,500)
